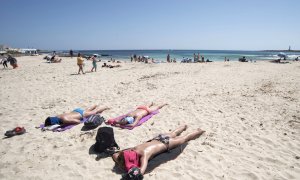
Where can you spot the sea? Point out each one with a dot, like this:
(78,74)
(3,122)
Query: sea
(161,55)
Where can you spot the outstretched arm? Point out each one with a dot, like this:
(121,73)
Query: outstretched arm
(144,164)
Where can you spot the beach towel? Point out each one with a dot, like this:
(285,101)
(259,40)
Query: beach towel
(60,128)
(144,119)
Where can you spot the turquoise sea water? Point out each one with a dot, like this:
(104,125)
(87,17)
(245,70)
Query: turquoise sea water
(214,55)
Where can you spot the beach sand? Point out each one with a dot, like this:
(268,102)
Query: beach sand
(250,111)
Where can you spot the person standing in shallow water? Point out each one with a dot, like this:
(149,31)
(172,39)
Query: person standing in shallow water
(80,63)
(168,58)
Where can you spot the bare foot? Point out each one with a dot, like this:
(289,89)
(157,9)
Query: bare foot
(200,131)
(107,108)
(185,127)
(180,129)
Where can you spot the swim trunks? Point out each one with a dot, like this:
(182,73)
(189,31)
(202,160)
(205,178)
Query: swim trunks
(163,139)
(79,110)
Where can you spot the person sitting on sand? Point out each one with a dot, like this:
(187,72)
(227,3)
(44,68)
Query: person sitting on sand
(136,159)
(135,116)
(12,61)
(55,59)
(80,63)
(110,66)
(74,116)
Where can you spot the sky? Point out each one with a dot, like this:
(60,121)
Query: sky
(155,24)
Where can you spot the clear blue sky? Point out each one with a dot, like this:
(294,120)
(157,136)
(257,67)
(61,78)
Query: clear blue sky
(151,24)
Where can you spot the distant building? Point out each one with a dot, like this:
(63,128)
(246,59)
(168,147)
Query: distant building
(28,51)
(289,48)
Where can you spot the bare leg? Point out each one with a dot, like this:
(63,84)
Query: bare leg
(91,108)
(154,108)
(177,131)
(94,111)
(174,142)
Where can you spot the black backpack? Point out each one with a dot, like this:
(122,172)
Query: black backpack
(105,141)
(94,121)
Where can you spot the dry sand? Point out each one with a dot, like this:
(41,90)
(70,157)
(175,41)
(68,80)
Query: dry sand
(250,111)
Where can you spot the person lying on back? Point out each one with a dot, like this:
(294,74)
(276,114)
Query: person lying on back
(135,160)
(132,118)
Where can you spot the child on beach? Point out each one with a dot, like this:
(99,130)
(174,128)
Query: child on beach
(94,63)
(135,160)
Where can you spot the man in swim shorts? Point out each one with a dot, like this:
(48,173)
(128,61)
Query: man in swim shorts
(136,158)
(135,116)
(74,116)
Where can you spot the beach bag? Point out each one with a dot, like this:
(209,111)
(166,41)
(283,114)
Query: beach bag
(94,121)
(105,141)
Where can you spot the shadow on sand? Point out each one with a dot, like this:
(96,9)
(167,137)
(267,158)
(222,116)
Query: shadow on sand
(87,128)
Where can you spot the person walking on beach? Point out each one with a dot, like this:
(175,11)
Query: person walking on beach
(71,53)
(195,58)
(198,59)
(80,63)
(94,62)
(135,160)
(168,58)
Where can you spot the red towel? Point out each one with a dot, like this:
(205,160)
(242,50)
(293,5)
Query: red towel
(132,159)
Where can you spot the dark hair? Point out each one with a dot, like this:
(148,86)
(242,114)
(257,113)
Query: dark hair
(133,174)
(79,55)
(120,159)
(47,121)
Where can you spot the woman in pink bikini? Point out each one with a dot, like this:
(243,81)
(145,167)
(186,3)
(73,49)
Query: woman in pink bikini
(132,118)
(135,160)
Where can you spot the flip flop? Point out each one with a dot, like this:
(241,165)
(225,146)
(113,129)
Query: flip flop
(15,131)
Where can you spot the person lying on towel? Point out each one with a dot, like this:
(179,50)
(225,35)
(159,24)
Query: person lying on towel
(74,116)
(135,160)
(132,118)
